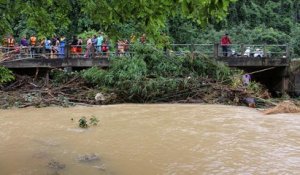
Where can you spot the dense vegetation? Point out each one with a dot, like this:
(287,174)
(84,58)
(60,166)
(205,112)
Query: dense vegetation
(150,76)
(254,21)
(47,17)
(6,75)
(184,21)
(249,22)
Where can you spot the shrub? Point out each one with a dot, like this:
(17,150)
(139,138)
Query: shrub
(6,75)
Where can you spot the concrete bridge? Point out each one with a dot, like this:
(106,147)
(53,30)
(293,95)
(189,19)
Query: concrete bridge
(269,64)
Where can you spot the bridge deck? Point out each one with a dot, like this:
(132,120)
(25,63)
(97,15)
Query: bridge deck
(56,63)
(254,62)
(104,62)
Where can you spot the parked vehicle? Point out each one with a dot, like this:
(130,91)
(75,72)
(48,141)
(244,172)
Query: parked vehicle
(247,52)
(258,53)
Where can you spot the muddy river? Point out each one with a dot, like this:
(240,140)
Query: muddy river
(167,139)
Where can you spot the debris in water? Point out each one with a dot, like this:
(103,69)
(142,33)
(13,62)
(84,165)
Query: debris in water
(83,122)
(283,107)
(100,97)
(100,167)
(94,121)
(55,165)
(88,158)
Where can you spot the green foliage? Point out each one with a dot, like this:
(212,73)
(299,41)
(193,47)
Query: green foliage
(150,74)
(255,87)
(88,34)
(93,75)
(59,76)
(48,17)
(83,122)
(94,121)
(6,75)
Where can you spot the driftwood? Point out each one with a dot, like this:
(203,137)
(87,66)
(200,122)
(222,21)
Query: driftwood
(28,91)
(283,107)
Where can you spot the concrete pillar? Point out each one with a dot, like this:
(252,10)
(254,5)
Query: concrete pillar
(285,81)
(47,77)
(242,49)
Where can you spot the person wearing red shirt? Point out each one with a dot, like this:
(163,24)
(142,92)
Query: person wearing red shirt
(225,42)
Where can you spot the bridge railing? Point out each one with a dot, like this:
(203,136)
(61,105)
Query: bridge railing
(82,51)
(252,51)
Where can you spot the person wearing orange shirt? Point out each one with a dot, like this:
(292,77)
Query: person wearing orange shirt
(32,41)
(10,41)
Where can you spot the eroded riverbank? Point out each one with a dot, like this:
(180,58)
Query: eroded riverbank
(149,139)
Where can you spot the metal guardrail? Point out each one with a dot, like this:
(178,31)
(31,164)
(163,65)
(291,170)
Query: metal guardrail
(250,50)
(82,51)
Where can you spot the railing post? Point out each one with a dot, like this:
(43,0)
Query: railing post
(216,50)
(93,51)
(264,51)
(43,50)
(192,49)
(68,50)
(287,51)
(242,49)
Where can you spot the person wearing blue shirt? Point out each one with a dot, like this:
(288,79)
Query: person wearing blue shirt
(47,46)
(62,44)
(99,42)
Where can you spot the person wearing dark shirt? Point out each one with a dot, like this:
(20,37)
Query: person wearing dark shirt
(24,41)
(74,44)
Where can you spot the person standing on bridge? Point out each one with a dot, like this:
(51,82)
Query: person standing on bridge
(11,41)
(33,45)
(89,45)
(225,43)
(62,44)
(99,42)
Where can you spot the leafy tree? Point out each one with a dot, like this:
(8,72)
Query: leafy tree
(47,17)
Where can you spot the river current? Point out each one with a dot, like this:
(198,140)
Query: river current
(158,139)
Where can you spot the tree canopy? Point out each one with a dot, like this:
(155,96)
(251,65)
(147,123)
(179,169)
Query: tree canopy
(47,17)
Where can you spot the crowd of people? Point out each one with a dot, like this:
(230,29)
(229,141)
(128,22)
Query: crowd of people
(55,47)
(99,44)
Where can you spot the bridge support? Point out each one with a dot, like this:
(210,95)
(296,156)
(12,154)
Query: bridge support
(285,81)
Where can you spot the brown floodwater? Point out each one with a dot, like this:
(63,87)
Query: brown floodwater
(160,139)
